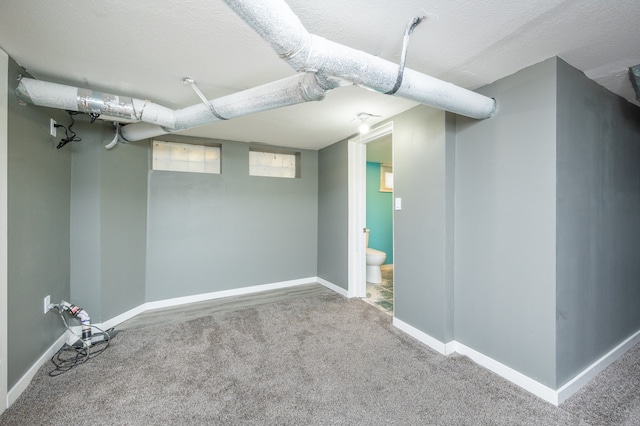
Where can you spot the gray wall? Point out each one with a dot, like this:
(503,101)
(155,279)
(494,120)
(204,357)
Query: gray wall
(423,177)
(123,229)
(86,249)
(38,230)
(505,225)
(210,233)
(424,160)
(333,214)
(598,221)
(108,222)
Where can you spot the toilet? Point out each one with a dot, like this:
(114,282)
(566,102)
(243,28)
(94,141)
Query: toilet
(375,258)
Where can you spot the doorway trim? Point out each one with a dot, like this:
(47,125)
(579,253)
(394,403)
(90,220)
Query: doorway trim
(4,143)
(357,202)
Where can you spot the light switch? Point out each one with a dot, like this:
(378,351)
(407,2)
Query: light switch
(398,203)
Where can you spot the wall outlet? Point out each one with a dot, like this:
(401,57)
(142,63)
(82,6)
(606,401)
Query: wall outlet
(47,304)
(52,128)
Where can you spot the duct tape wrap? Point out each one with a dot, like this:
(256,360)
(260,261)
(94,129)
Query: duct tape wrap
(93,102)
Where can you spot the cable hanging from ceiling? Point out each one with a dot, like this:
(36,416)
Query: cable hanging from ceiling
(70,135)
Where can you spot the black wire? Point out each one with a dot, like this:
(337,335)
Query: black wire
(70,137)
(69,357)
(70,134)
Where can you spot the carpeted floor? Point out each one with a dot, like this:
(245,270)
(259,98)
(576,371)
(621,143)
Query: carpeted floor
(325,360)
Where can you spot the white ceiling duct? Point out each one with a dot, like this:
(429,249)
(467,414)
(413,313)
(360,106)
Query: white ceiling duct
(53,95)
(277,24)
(293,90)
(157,120)
(326,64)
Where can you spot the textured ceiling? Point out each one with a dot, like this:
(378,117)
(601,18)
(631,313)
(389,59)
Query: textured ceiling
(145,48)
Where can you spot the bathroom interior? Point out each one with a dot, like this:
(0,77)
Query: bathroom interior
(379,219)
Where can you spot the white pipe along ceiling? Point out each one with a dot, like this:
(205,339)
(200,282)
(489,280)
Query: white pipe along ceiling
(323,65)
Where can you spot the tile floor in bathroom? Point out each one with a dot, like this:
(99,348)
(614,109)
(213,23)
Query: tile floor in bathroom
(381,295)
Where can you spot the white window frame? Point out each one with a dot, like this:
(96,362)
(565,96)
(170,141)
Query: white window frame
(265,162)
(186,157)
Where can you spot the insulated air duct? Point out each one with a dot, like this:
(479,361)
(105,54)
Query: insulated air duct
(53,95)
(277,24)
(293,90)
(325,65)
(158,120)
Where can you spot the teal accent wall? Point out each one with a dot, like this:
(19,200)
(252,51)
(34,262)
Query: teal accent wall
(379,213)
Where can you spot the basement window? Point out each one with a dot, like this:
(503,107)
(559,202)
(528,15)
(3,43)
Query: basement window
(274,163)
(386,178)
(183,157)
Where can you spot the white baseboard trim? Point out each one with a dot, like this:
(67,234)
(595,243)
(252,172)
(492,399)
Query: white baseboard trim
(177,301)
(500,369)
(226,293)
(515,377)
(435,344)
(555,397)
(332,286)
(594,369)
(24,381)
(122,317)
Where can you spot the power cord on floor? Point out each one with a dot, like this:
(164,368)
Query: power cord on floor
(70,356)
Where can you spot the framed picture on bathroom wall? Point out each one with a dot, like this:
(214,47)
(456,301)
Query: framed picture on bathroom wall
(386,178)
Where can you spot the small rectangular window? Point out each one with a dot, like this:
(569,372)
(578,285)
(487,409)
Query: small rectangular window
(274,163)
(386,178)
(183,157)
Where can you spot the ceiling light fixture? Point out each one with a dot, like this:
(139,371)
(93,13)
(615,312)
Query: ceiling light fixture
(364,117)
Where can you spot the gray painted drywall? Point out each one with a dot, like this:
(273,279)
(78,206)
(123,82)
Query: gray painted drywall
(108,222)
(505,208)
(209,233)
(423,175)
(85,219)
(4,100)
(38,230)
(123,226)
(450,183)
(598,221)
(333,214)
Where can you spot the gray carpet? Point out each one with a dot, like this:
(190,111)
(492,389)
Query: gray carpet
(325,360)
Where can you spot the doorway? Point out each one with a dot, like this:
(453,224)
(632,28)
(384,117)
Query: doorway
(379,223)
(4,96)
(357,166)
